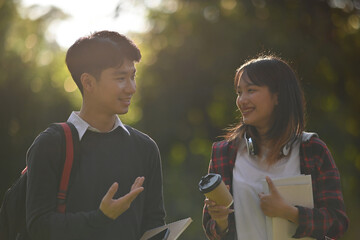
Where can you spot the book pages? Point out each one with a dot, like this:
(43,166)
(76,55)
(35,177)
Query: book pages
(176,229)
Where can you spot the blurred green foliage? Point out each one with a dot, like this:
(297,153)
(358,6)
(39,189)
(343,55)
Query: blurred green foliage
(185,96)
(32,76)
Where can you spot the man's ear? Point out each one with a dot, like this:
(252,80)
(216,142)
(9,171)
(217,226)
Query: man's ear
(276,98)
(87,81)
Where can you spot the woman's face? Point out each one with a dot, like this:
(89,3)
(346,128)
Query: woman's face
(256,104)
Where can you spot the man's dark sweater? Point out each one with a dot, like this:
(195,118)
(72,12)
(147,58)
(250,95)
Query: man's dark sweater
(104,158)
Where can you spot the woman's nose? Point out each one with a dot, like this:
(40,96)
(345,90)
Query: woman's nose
(241,99)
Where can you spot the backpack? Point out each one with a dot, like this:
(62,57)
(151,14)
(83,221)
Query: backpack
(13,212)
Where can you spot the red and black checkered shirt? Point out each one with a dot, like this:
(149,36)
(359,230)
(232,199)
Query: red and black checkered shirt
(326,219)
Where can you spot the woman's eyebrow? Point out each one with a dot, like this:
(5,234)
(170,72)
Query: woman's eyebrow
(247,84)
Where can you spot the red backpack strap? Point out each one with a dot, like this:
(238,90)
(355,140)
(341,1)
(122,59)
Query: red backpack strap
(24,171)
(69,158)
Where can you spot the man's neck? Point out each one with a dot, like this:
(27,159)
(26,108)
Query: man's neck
(102,122)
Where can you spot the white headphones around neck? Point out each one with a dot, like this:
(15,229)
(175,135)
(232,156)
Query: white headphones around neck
(253,150)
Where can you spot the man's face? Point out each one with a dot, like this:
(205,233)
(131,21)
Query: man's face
(114,89)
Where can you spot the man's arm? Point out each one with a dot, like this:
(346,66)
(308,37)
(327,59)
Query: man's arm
(45,163)
(154,212)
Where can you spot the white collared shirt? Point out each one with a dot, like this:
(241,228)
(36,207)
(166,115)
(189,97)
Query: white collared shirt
(81,126)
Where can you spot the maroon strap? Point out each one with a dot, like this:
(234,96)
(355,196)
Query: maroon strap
(64,182)
(24,171)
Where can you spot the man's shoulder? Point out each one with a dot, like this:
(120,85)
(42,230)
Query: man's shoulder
(139,136)
(48,136)
(49,142)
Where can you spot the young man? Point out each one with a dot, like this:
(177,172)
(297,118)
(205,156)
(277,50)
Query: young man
(115,189)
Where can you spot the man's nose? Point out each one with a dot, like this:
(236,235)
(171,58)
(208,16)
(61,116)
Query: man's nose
(131,86)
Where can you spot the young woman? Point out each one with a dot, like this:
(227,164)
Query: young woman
(270,142)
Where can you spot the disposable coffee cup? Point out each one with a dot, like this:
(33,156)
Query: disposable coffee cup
(214,189)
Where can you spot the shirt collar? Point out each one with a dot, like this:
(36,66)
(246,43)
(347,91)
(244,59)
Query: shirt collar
(81,126)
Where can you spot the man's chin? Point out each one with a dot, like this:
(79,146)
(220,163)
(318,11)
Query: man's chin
(123,111)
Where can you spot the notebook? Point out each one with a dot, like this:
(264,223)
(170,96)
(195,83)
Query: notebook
(295,190)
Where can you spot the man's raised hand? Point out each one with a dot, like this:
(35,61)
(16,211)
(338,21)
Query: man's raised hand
(113,208)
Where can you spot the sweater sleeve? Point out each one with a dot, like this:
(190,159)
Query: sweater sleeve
(45,164)
(154,211)
(328,217)
(209,224)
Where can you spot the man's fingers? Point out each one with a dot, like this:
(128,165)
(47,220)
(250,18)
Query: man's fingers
(138,182)
(111,192)
(133,194)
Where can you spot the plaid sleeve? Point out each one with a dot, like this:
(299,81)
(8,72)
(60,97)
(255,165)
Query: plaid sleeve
(328,218)
(222,162)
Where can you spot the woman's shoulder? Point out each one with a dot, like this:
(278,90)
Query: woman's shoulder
(225,144)
(311,140)
(224,148)
(316,153)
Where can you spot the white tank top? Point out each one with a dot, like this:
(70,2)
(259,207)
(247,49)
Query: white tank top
(248,174)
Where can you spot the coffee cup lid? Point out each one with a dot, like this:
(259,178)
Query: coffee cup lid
(209,182)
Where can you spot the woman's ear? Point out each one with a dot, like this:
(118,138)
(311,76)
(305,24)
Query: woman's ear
(87,81)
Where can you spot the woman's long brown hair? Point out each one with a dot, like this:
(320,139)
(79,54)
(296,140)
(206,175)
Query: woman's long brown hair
(289,114)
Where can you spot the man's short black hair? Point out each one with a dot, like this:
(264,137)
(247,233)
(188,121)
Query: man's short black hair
(98,51)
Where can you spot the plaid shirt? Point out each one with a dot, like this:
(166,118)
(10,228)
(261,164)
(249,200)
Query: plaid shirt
(325,221)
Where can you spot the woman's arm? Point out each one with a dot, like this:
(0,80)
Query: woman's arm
(222,162)
(328,217)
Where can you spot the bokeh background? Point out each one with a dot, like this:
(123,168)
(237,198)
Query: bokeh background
(185,95)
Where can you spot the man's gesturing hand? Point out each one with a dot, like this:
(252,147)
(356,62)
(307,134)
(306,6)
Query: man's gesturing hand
(113,208)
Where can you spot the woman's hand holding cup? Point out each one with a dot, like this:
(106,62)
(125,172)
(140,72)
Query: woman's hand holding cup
(219,214)
(218,199)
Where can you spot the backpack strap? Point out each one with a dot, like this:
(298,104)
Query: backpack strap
(306,136)
(69,158)
(24,171)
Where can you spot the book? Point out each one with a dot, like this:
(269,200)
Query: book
(295,190)
(176,229)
